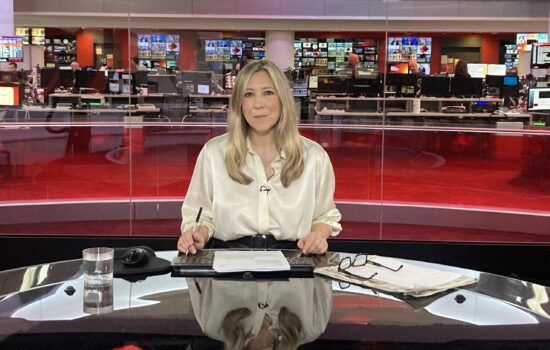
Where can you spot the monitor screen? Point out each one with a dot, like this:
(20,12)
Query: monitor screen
(11,49)
(402,84)
(402,68)
(540,56)
(140,78)
(493,80)
(466,87)
(477,70)
(335,84)
(365,87)
(203,89)
(312,82)
(114,87)
(9,95)
(126,88)
(510,80)
(435,86)
(496,69)
(539,99)
(196,76)
(8,77)
(90,80)
(166,83)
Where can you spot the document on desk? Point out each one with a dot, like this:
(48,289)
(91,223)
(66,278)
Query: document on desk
(398,276)
(253,260)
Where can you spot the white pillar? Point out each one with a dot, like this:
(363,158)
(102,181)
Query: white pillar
(279,48)
(6,23)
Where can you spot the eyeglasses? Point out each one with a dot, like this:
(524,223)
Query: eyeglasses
(361,260)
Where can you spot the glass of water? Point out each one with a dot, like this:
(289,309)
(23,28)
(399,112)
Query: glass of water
(98,265)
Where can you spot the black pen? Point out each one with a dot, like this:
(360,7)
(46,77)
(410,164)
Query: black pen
(195,225)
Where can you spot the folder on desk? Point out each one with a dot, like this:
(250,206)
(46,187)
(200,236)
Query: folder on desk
(203,265)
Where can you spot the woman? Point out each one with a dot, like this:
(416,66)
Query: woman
(262,177)
(461,69)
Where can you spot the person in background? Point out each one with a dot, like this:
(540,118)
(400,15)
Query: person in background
(353,62)
(103,67)
(12,67)
(137,64)
(461,69)
(245,59)
(75,66)
(261,180)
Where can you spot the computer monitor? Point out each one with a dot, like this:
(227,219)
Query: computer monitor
(365,87)
(539,99)
(140,78)
(496,69)
(332,84)
(312,82)
(477,70)
(190,81)
(66,78)
(493,80)
(493,85)
(90,79)
(114,87)
(167,84)
(9,77)
(10,95)
(435,86)
(466,87)
(402,84)
(402,68)
(203,89)
(510,86)
(510,80)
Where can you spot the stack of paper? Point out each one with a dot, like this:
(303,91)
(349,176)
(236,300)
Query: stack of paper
(253,260)
(410,279)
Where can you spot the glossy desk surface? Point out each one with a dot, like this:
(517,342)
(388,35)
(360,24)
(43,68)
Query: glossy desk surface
(37,300)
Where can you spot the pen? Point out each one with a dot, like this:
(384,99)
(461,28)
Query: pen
(195,225)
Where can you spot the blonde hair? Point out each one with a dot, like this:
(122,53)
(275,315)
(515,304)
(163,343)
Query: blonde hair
(233,331)
(287,139)
(235,337)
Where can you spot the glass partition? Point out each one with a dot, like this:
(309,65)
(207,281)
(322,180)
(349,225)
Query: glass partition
(423,147)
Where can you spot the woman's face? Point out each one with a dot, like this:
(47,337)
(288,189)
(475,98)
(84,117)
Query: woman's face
(261,105)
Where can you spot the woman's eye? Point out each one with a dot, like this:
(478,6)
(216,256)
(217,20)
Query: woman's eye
(269,93)
(248,94)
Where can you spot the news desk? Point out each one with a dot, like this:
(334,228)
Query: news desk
(42,307)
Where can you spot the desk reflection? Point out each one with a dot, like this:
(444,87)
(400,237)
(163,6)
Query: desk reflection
(261,314)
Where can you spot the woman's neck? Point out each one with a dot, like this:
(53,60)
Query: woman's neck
(262,143)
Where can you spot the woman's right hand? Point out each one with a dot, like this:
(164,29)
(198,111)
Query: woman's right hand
(192,240)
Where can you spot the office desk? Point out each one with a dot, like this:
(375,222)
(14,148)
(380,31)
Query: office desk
(37,308)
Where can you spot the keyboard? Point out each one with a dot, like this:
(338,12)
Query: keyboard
(200,265)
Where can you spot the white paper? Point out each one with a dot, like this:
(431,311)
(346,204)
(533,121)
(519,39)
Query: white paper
(249,260)
(409,276)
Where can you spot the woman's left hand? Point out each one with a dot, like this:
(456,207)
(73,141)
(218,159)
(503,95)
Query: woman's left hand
(313,243)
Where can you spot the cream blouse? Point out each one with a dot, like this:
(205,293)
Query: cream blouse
(232,210)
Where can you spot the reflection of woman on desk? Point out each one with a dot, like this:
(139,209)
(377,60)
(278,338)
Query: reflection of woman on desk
(261,177)
(259,315)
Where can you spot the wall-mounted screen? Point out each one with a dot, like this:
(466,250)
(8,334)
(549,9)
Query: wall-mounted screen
(540,56)
(11,49)
(158,46)
(524,41)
